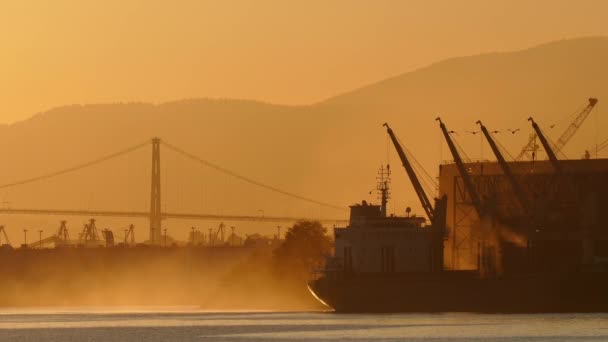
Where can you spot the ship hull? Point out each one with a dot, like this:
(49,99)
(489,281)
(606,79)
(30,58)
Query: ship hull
(573,292)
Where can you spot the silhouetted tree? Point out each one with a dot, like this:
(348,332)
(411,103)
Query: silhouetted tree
(305,245)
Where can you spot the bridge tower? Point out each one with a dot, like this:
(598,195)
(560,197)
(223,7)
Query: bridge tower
(155,210)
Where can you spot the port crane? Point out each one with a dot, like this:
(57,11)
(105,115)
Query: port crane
(61,237)
(130,236)
(62,234)
(108,237)
(597,148)
(6,240)
(424,200)
(546,145)
(566,135)
(468,182)
(89,234)
(517,188)
(218,236)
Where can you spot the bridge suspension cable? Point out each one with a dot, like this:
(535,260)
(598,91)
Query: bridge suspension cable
(180,151)
(248,180)
(75,168)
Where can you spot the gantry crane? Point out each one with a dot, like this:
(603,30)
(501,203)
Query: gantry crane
(468,182)
(568,133)
(63,235)
(89,234)
(218,237)
(543,140)
(517,189)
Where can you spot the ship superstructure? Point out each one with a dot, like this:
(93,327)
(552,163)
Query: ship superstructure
(374,243)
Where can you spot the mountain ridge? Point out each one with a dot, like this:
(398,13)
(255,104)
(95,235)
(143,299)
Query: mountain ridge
(548,45)
(333,98)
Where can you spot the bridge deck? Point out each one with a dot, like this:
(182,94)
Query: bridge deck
(142,214)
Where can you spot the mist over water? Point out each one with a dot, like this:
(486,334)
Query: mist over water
(190,324)
(213,279)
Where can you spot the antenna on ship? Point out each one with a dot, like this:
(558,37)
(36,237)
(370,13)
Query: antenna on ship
(383,186)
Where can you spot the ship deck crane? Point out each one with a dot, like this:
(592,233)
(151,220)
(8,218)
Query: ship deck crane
(424,200)
(519,192)
(543,140)
(566,135)
(437,214)
(468,183)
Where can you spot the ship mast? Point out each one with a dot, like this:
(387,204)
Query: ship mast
(384,179)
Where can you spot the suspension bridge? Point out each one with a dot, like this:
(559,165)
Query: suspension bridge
(156,215)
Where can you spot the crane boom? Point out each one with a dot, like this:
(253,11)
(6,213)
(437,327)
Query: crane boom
(574,126)
(599,147)
(546,145)
(530,146)
(519,193)
(468,183)
(424,200)
(46,241)
(566,136)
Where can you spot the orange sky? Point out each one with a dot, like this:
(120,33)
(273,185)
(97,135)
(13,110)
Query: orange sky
(292,52)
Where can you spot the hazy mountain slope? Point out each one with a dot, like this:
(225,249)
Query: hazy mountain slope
(329,150)
(502,89)
(551,82)
(539,76)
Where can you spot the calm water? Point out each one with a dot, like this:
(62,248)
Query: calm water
(189,324)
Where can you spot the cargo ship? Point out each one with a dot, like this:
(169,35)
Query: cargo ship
(520,237)
(392,264)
